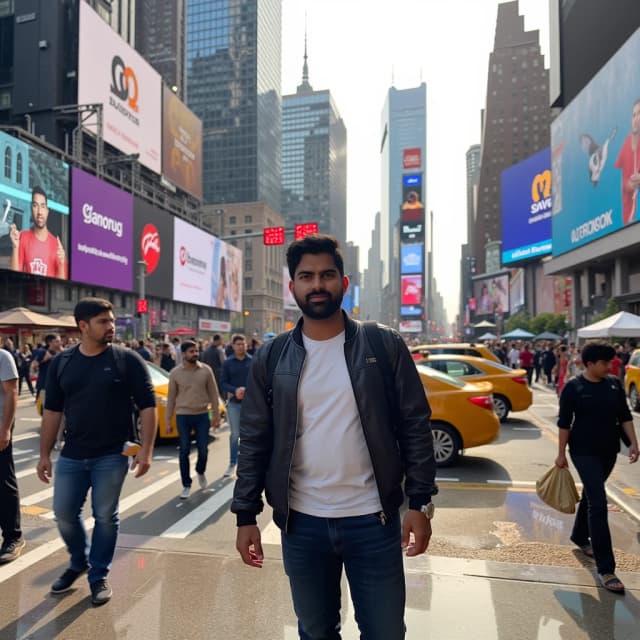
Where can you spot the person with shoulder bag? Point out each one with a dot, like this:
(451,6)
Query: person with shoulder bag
(593,417)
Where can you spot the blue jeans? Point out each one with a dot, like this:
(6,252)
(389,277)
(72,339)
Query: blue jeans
(200,424)
(233,416)
(105,476)
(592,518)
(314,551)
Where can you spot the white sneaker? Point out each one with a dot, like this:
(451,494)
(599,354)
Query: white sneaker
(202,480)
(185,493)
(230,471)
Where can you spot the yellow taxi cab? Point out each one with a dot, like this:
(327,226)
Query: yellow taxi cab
(462,414)
(458,348)
(511,391)
(632,380)
(160,382)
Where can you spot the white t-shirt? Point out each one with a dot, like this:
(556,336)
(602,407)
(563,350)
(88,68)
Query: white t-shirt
(331,474)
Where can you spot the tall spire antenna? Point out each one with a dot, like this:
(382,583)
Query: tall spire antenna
(304,86)
(305,66)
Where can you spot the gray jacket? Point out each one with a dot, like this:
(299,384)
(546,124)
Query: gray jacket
(401,446)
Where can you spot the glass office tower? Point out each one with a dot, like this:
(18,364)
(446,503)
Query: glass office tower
(233,85)
(314,160)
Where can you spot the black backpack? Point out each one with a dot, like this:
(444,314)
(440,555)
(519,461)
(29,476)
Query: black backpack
(577,383)
(374,336)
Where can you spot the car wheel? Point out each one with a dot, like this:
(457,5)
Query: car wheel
(446,444)
(634,400)
(501,406)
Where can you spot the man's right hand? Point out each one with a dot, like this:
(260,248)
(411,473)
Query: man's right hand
(14,236)
(44,469)
(561,461)
(249,546)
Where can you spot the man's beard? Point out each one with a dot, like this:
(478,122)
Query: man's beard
(320,310)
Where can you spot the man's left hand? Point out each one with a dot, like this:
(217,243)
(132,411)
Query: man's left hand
(633,453)
(215,422)
(417,523)
(141,461)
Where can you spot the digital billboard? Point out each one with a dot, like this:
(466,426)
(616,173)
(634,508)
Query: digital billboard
(181,144)
(491,295)
(101,233)
(526,209)
(411,258)
(411,290)
(595,155)
(192,268)
(226,276)
(34,210)
(516,290)
(112,73)
(412,158)
(153,243)
(412,209)
(410,310)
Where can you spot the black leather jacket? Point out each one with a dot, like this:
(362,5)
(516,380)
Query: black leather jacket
(400,448)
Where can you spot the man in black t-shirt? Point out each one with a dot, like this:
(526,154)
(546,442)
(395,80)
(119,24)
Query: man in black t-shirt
(94,385)
(592,405)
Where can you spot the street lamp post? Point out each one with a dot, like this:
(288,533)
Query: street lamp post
(142,273)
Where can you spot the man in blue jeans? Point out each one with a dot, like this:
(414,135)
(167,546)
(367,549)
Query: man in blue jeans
(233,380)
(321,438)
(592,406)
(192,389)
(94,384)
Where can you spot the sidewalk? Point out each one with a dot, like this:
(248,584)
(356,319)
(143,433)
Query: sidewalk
(167,595)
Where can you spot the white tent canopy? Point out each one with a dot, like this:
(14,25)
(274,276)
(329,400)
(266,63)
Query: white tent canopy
(621,325)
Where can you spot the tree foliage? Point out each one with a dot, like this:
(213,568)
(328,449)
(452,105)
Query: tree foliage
(612,309)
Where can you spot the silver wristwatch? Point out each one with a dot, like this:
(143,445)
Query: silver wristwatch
(428,510)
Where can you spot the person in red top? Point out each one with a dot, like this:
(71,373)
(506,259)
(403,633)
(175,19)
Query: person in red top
(526,362)
(37,250)
(616,364)
(629,162)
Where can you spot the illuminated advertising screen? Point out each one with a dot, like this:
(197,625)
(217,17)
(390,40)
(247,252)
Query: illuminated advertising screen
(526,209)
(594,158)
(181,144)
(412,158)
(412,208)
(411,290)
(226,276)
(153,243)
(411,258)
(192,255)
(491,294)
(34,210)
(101,233)
(410,310)
(112,73)
(516,290)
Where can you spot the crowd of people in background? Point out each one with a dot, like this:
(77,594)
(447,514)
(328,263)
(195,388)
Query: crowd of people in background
(554,363)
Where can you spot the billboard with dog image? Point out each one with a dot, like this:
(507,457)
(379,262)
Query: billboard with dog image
(595,155)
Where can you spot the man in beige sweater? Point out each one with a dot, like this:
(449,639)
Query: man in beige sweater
(192,388)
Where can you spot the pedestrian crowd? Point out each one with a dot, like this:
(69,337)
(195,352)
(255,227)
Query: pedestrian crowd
(330,379)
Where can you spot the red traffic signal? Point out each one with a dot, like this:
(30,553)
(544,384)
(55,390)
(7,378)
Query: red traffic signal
(143,306)
(305,229)
(273,235)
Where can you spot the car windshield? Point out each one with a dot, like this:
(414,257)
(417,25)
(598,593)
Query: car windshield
(502,367)
(158,376)
(434,373)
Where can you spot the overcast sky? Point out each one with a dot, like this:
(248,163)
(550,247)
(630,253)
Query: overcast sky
(358,49)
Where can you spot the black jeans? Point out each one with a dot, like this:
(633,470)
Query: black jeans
(592,519)
(24,374)
(9,499)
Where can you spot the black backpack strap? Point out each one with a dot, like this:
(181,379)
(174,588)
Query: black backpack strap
(63,360)
(374,336)
(272,360)
(120,360)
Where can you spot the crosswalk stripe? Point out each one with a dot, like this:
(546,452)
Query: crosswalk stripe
(195,518)
(39,496)
(48,548)
(25,436)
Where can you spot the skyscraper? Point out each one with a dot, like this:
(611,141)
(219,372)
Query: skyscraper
(160,39)
(403,141)
(233,86)
(314,159)
(516,118)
